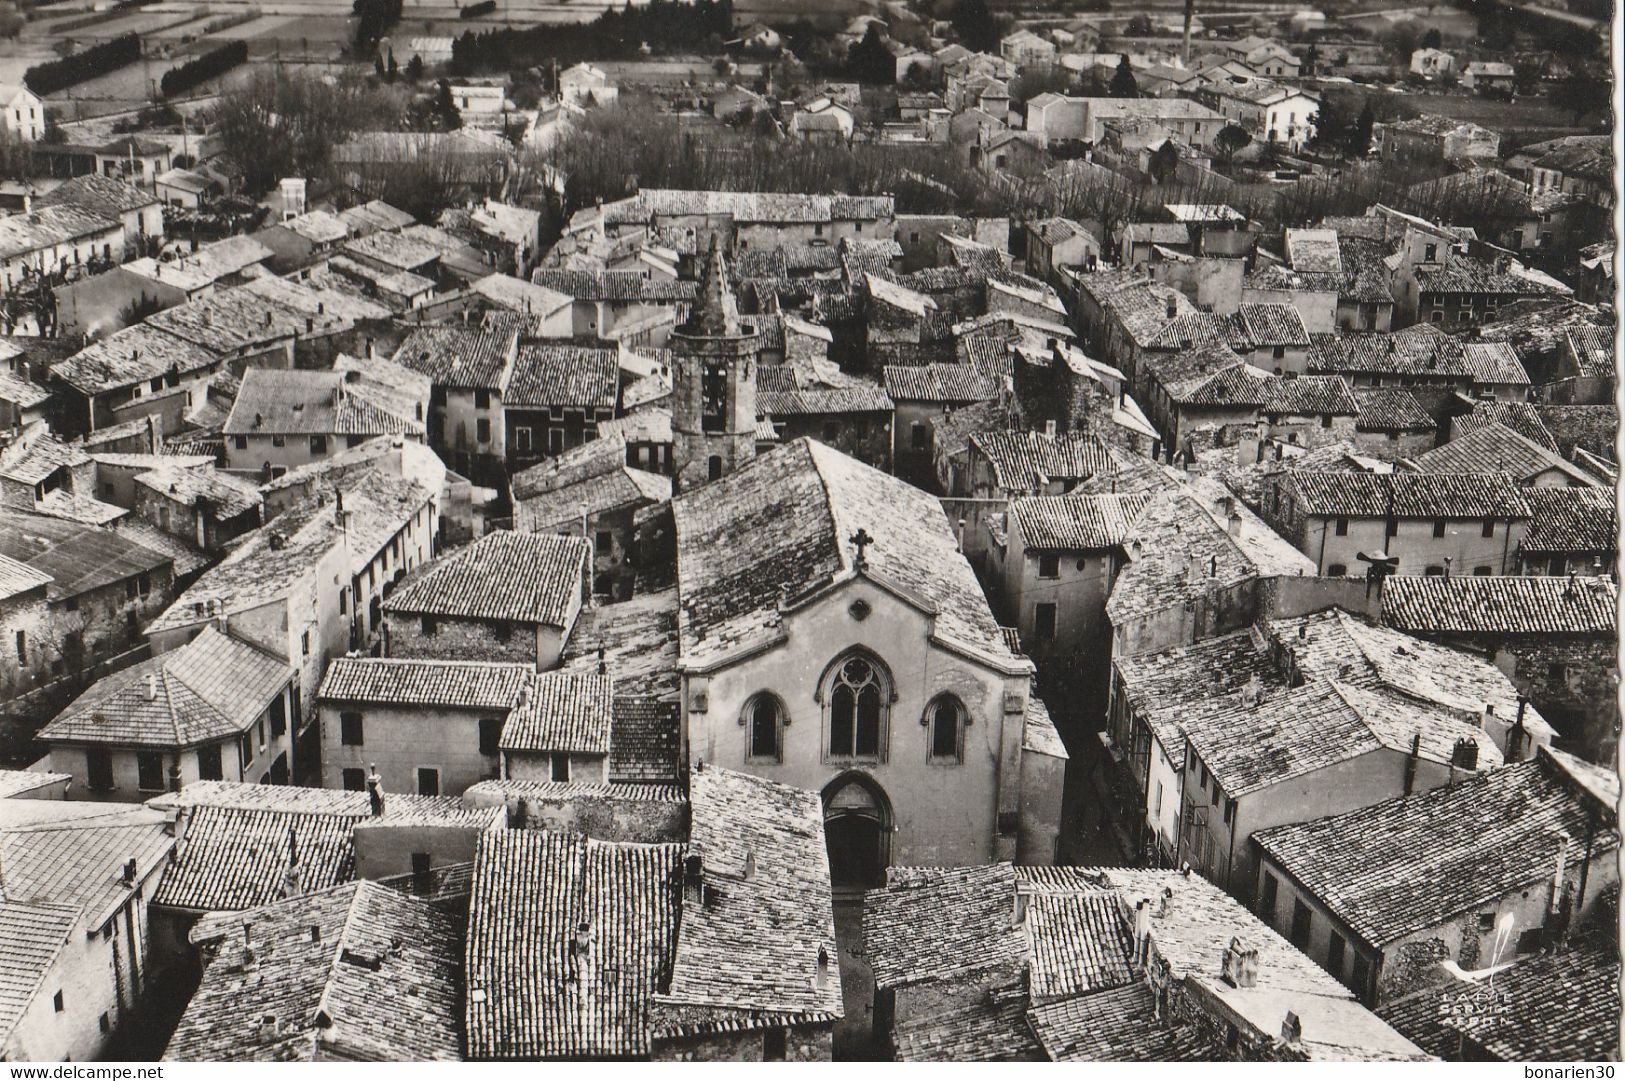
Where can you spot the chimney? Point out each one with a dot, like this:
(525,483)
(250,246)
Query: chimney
(369,353)
(1019,914)
(152,687)
(1465,754)
(338,508)
(1240,966)
(251,962)
(1303,632)
(693,880)
(268,317)
(129,873)
(1488,718)
(586,964)
(375,791)
(267,1030)
(1173,307)
(1291,1029)
(1447,562)
(750,864)
(821,969)
(1562,865)
(1235,523)
(1164,902)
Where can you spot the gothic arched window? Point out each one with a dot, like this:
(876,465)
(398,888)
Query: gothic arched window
(945,722)
(859,698)
(764,729)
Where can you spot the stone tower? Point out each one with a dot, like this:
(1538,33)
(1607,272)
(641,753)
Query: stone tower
(714,355)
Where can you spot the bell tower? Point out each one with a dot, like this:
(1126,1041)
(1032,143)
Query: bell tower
(714,356)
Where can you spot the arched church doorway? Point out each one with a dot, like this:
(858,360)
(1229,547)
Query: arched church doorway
(857,831)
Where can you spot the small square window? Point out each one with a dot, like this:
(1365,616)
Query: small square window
(490,735)
(561,767)
(1342,527)
(354,780)
(1438,527)
(1489,527)
(428,781)
(1044,621)
(426,624)
(1049,565)
(351,730)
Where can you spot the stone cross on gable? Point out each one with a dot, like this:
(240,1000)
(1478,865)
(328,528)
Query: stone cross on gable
(861,540)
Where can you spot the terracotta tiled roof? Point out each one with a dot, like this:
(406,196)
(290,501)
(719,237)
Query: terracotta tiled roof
(1498,605)
(567,940)
(358,972)
(1080,944)
(1189,937)
(1116,1025)
(1572,520)
(1593,350)
(620,489)
(799,505)
(1025,460)
(457,684)
(458,356)
(638,639)
(1076,523)
(400,808)
(1272,324)
(1496,450)
(31,938)
(1521,417)
(756,945)
(994,1029)
(1408,495)
(212,688)
(234,859)
(1250,747)
(1578,1023)
(1411,863)
(569,376)
(521,577)
(561,711)
(643,741)
(1309,395)
(938,923)
(1391,411)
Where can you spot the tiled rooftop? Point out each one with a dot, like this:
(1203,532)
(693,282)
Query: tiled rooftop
(755,948)
(1408,495)
(452,684)
(212,688)
(1496,449)
(1411,863)
(78,558)
(1572,520)
(519,577)
(561,712)
(357,971)
(1076,523)
(568,939)
(799,505)
(1500,605)
(932,923)
(1291,733)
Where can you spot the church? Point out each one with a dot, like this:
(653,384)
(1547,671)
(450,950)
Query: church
(832,636)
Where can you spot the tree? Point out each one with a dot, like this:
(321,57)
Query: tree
(444,109)
(1123,84)
(1360,141)
(870,61)
(1231,140)
(1138,27)
(414,68)
(1332,125)
(974,23)
(1432,39)
(378,65)
(1527,73)
(392,70)
(1401,41)
(1580,93)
